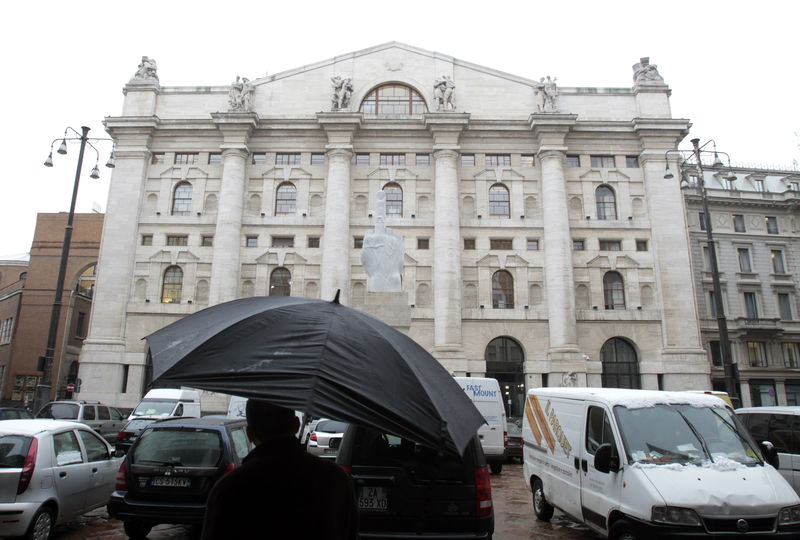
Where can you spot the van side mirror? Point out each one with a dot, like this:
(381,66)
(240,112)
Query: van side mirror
(605,459)
(770,454)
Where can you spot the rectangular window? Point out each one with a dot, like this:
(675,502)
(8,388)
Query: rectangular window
(792,393)
(358,242)
(641,245)
(177,240)
(5,330)
(762,393)
(393,159)
(362,159)
(157,159)
(632,162)
(757,353)
(124,385)
(533,244)
(500,243)
(750,305)
(214,158)
(794,186)
(777,261)
(423,243)
(702,217)
(498,160)
(604,162)
(712,304)
(738,223)
(744,260)
(251,241)
(527,160)
(259,159)
(422,159)
(283,241)
(186,158)
(791,355)
(147,239)
(313,241)
(716,354)
(318,159)
(573,161)
(759,184)
(772,224)
(467,160)
(80,325)
(785,306)
(610,245)
(206,241)
(469,243)
(578,245)
(287,159)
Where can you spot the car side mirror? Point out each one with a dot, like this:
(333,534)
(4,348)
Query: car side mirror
(605,459)
(770,454)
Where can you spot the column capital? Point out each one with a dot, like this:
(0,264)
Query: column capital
(545,152)
(551,129)
(661,134)
(336,150)
(233,150)
(444,153)
(131,132)
(236,127)
(446,128)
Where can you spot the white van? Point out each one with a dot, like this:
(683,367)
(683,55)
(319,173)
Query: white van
(781,427)
(644,464)
(169,402)
(237,408)
(486,395)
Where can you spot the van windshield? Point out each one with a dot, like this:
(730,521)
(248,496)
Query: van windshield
(154,407)
(666,434)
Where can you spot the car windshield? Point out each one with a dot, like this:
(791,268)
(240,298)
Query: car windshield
(60,411)
(331,426)
(13,449)
(138,424)
(154,407)
(178,447)
(682,434)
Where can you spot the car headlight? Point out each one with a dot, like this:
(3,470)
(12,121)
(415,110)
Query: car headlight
(789,516)
(674,515)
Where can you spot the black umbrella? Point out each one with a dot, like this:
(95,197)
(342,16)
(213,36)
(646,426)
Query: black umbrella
(320,358)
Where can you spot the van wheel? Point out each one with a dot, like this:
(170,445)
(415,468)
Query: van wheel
(496,467)
(541,507)
(41,527)
(622,530)
(137,530)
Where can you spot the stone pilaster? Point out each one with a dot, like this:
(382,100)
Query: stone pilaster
(225,266)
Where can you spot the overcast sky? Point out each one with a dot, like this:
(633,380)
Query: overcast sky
(733,70)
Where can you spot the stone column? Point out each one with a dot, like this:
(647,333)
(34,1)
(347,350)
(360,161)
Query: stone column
(225,266)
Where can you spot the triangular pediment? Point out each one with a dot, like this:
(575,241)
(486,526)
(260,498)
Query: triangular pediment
(489,260)
(286,173)
(183,172)
(392,174)
(601,261)
(513,261)
(409,260)
(623,261)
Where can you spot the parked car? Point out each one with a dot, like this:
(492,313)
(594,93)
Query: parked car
(325,439)
(50,472)
(781,427)
(103,419)
(14,413)
(131,430)
(514,446)
(169,402)
(170,469)
(409,490)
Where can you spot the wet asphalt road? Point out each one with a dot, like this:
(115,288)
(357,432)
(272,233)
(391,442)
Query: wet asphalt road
(513,513)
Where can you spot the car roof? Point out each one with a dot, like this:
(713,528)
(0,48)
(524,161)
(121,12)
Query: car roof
(786,409)
(630,398)
(205,421)
(34,426)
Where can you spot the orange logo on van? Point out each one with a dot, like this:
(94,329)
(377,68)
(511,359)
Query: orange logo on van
(541,428)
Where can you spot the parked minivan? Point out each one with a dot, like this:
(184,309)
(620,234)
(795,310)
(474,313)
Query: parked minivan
(781,427)
(486,395)
(169,402)
(103,419)
(644,464)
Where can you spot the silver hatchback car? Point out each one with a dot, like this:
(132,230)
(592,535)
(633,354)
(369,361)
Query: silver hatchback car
(324,440)
(50,472)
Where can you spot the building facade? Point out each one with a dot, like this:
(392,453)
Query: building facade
(755,225)
(27,292)
(542,244)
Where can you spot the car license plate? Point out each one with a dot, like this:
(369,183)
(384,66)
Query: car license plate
(373,498)
(330,451)
(170,481)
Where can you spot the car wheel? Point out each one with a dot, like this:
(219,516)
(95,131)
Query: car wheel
(622,530)
(496,467)
(137,530)
(41,527)
(541,507)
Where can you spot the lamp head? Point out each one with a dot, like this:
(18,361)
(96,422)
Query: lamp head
(63,148)
(49,161)
(731,176)
(110,162)
(717,161)
(668,174)
(95,172)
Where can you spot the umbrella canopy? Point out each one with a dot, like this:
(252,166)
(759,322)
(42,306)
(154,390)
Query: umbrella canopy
(320,358)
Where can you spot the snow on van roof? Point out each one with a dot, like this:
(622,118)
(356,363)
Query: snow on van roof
(632,399)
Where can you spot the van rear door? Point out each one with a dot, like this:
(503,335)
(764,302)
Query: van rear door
(600,491)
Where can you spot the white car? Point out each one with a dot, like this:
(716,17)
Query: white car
(50,472)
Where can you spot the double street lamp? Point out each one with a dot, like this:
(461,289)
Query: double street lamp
(46,362)
(691,161)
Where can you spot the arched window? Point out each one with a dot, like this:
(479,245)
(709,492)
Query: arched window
(182,199)
(613,291)
(86,281)
(172,285)
(504,361)
(280,282)
(502,290)
(393,99)
(394,199)
(499,205)
(606,203)
(620,365)
(286,199)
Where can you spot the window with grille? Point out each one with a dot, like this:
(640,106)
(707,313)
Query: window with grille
(632,162)
(172,285)
(604,162)
(259,159)
(502,290)
(422,159)
(606,203)
(499,203)
(362,159)
(186,158)
(286,199)
(317,159)
(532,244)
(393,159)
(280,282)
(287,159)
(527,160)
(206,241)
(147,239)
(467,160)
(394,199)
(500,243)
(214,158)
(358,242)
(613,291)
(641,245)
(498,160)
(251,241)
(578,245)
(182,199)
(283,241)
(469,243)
(423,243)
(313,241)
(177,240)
(610,245)
(393,99)
(573,161)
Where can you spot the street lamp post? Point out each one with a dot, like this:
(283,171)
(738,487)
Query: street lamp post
(722,323)
(43,388)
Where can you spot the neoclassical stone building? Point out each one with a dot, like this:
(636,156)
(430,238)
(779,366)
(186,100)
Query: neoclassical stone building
(542,244)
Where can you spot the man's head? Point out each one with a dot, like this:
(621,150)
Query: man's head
(266,421)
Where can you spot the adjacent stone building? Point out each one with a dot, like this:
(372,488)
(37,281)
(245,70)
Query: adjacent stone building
(542,245)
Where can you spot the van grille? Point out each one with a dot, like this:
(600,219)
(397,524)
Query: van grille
(729,525)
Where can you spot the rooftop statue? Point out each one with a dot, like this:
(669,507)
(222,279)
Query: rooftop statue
(382,253)
(240,95)
(444,93)
(342,90)
(546,94)
(644,72)
(147,69)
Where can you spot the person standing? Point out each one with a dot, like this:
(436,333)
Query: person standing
(280,491)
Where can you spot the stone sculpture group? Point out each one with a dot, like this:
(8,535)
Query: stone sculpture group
(240,95)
